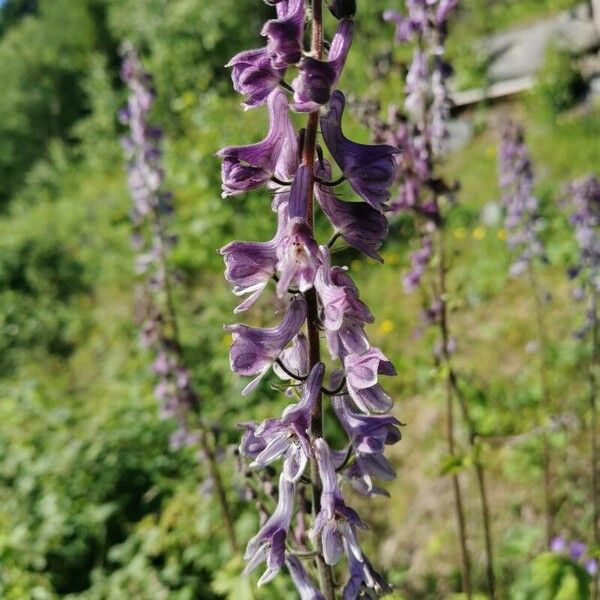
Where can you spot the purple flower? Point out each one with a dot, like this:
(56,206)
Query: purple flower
(419,261)
(336,523)
(284,35)
(369,169)
(359,224)
(343,313)
(361,377)
(591,566)
(269,543)
(254,350)
(306,588)
(316,79)
(404,26)
(368,435)
(295,359)
(249,266)
(522,210)
(577,549)
(343,9)
(254,76)
(360,576)
(248,167)
(288,437)
(558,545)
(444,10)
(298,259)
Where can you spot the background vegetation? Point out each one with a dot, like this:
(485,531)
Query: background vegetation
(92,503)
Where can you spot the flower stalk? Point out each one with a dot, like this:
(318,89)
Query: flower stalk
(160,332)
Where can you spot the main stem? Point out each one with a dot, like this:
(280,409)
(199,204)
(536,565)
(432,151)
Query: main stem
(326,581)
(458,499)
(595,444)
(205,446)
(542,349)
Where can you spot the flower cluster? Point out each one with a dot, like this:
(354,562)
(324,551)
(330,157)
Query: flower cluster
(420,136)
(319,299)
(585,218)
(522,221)
(151,203)
(576,551)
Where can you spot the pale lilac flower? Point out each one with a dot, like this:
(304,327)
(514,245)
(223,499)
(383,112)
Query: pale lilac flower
(306,588)
(269,543)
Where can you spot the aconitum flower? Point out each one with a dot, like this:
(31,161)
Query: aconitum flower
(368,169)
(151,204)
(269,543)
(576,551)
(248,167)
(320,299)
(523,221)
(312,87)
(585,218)
(254,350)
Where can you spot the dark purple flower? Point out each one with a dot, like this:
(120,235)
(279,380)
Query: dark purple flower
(254,350)
(248,167)
(577,549)
(369,169)
(288,437)
(312,87)
(269,543)
(360,576)
(306,588)
(342,9)
(254,76)
(361,377)
(336,522)
(284,35)
(342,312)
(419,261)
(360,225)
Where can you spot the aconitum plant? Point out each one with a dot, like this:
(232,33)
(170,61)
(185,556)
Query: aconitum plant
(523,224)
(420,132)
(585,218)
(152,241)
(522,221)
(321,303)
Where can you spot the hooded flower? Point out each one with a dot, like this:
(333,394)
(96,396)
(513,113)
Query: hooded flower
(254,76)
(360,576)
(306,588)
(368,168)
(248,167)
(254,350)
(343,313)
(288,437)
(368,435)
(269,543)
(284,35)
(312,87)
(295,359)
(359,224)
(336,523)
(361,378)
(249,266)
(299,252)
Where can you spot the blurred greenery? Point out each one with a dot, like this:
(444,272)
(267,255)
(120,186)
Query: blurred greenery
(93,505)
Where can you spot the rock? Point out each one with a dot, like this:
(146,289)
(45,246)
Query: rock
(520,52)
(460,133)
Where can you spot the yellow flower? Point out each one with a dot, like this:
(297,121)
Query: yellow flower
(386,326)
(501,235)
(460,233)
(479,233)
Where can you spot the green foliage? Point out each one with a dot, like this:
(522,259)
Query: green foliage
(559,85)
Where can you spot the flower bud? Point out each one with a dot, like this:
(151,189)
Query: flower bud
(343,9)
